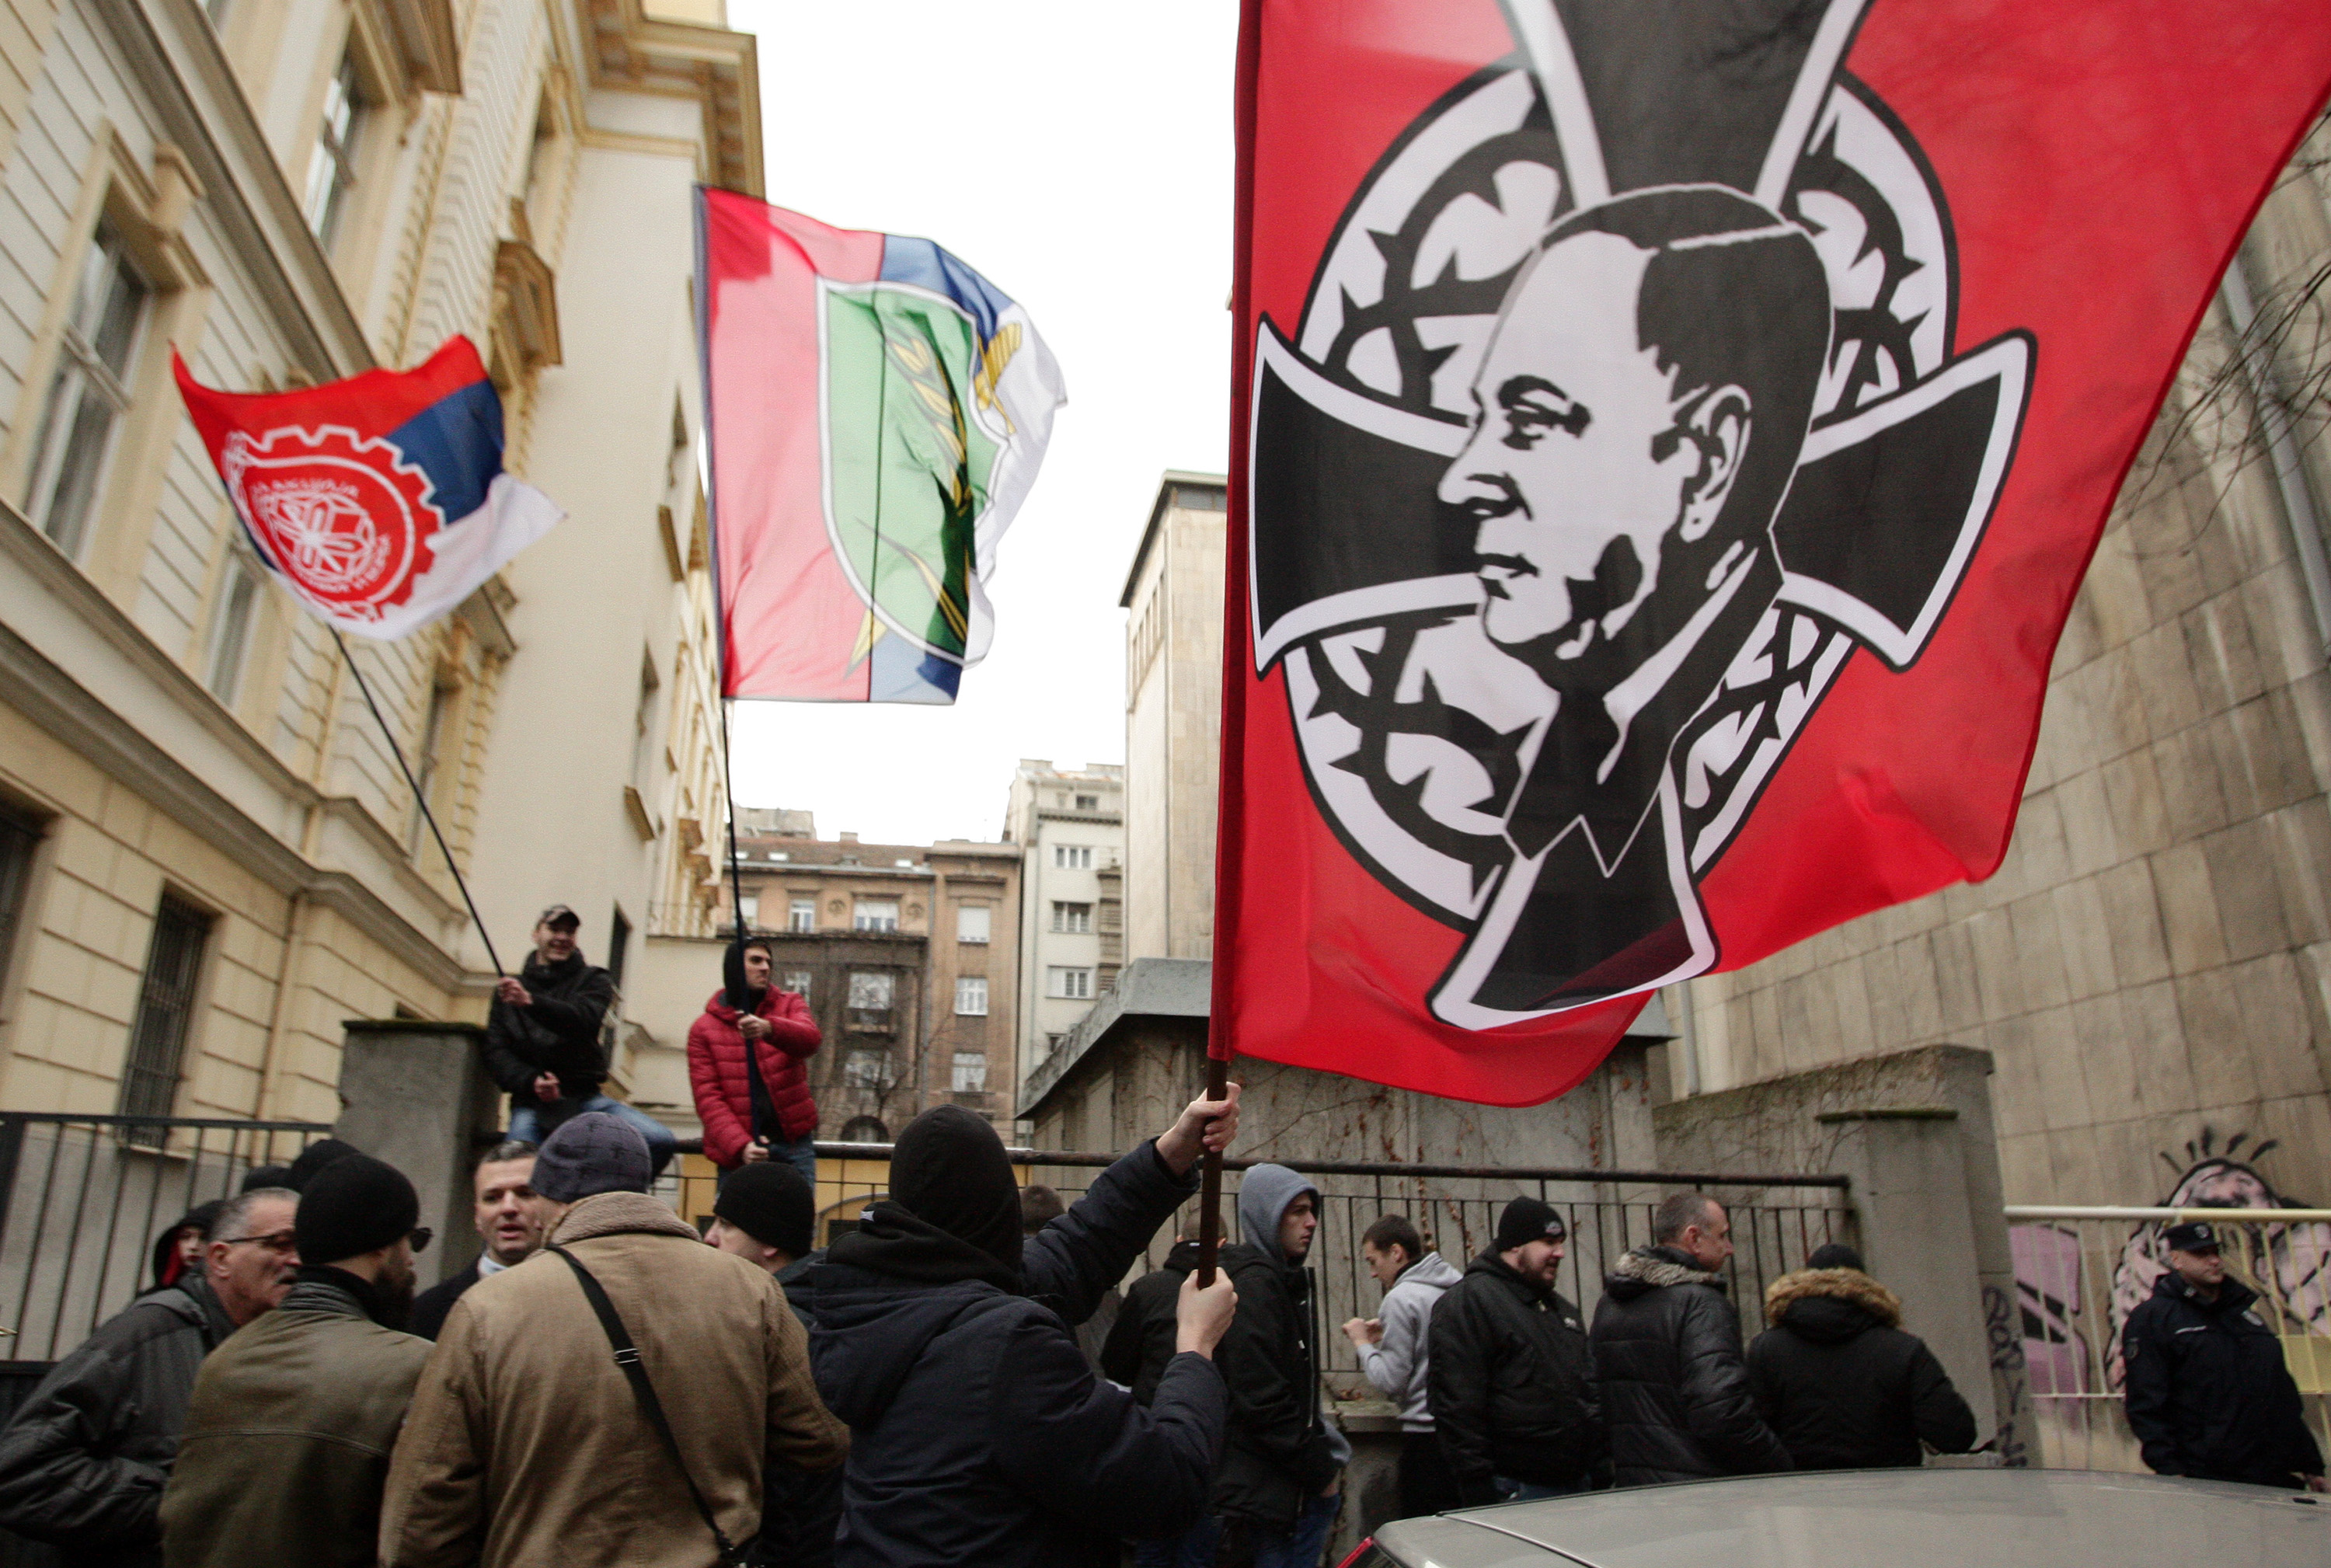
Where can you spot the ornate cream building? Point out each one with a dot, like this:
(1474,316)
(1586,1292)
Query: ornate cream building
(208,856)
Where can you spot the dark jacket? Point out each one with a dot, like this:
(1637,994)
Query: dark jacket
(801,1510)
(1141,1341)
(1511,1384)
(979,1434)
(288,1435)
(430,1307)
(83,1463)
(1840,1384)
(2209,1394)
(1278,1455)
(1675,1396)
(559,1033)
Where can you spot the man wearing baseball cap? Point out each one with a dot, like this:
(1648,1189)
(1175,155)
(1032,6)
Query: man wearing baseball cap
(542,1039)
(2209,1394)
(1511,1384)
(288,1435)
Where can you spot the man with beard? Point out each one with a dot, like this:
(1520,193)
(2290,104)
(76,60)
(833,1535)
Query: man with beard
(542,1039)
(288,1435)
(1642,405)
(509,1217)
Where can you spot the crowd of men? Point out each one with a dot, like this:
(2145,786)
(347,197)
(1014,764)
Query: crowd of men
(604,1384)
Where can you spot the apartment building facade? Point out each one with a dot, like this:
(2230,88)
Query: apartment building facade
(208,854)
(1070,825)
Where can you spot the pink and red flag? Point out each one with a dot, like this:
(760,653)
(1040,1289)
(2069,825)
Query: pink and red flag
(877,411)
(1668,439)
(380,501)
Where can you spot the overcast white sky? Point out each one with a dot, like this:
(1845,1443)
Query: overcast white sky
(1079,156)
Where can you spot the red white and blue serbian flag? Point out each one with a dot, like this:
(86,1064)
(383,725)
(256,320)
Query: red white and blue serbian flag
(877,411)
(380,501)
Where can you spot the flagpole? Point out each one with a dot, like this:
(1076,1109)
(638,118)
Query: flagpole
(421,800)
(712,540)
(1231,835)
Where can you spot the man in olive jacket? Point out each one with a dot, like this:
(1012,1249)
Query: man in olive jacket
(1668,1360)
(526,1445)
(1512,1382)
(287,1439)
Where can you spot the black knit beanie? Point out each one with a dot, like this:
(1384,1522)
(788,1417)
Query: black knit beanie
(949,1170)
(314,1158)
(1834,1255)
(355,1205)
(769,1202)
(1528,1220)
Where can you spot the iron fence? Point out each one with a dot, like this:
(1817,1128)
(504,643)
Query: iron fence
(1455,1208)
(2080,1272)
(83,1199)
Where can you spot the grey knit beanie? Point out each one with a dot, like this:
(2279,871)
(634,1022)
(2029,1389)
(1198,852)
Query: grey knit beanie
(595,1153)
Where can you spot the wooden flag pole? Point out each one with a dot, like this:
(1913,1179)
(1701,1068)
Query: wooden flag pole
(1210,1178)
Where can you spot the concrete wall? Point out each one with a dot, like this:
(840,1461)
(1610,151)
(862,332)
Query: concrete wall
(2150,966)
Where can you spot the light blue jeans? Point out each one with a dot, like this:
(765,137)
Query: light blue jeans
(526,1125)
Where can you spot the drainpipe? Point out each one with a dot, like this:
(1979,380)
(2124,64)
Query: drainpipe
(2298,508)
(1689,1040)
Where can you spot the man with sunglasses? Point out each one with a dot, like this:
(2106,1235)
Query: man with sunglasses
(83,1463)
(288,1434)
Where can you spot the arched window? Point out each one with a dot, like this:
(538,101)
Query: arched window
(865,1130)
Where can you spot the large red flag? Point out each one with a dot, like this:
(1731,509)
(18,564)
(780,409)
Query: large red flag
(1670,437)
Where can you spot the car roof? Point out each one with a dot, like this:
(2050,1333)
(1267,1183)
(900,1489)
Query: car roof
(1908,1519)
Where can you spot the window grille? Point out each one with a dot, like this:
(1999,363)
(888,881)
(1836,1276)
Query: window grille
(166,1009)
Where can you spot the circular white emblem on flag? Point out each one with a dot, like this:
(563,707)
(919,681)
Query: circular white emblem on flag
(346,519)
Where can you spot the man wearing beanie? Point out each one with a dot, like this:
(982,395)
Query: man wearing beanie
(978,1431)
(527,1442)
(1274,1499)
(1511,1384)
(289,1436)
(764,1213)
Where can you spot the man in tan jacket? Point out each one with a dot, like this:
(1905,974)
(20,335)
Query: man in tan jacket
(527,1445)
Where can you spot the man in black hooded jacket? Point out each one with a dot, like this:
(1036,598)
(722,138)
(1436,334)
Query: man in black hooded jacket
(1840,1382)
(1668,1360)
(978,1431)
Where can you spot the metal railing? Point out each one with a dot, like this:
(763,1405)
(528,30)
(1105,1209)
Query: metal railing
(2080,1272)
(84,1198)
(1454,1207)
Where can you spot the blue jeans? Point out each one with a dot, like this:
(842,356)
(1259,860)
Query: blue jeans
(1301,1547)
(526,1125)
(801,1153)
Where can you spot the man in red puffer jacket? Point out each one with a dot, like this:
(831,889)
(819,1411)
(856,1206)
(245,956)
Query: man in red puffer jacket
(749,1116)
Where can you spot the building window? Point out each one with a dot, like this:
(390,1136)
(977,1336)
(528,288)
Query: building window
(426,763)
(971,996)
(619,943)
(1201,497)
(1071,918)
(868,1069)
(797,980)
(1089,802)
(1052,1042)
(20,840)
(332,166)
(165,1008)
(865,1130)
(872,995)
(238,597)
(973,923)
(876,915)
(1073,856)
(89,393)
(1073,984)
(971,1072)
(801,916)
(749,911)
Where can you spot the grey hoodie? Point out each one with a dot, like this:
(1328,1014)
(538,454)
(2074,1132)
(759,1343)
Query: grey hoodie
(1264,1193)
(1397,1363)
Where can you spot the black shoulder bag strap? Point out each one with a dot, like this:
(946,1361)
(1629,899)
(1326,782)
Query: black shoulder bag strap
(627,1356)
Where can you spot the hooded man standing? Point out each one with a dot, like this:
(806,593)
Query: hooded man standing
(979,1433)
(287,1439)
(83,1463)
(528,1441)
(1513,1383)
(1275,1500)
(748,1065)
(1668,1359)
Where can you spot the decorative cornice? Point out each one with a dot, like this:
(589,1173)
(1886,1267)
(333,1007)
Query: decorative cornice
(717,66)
